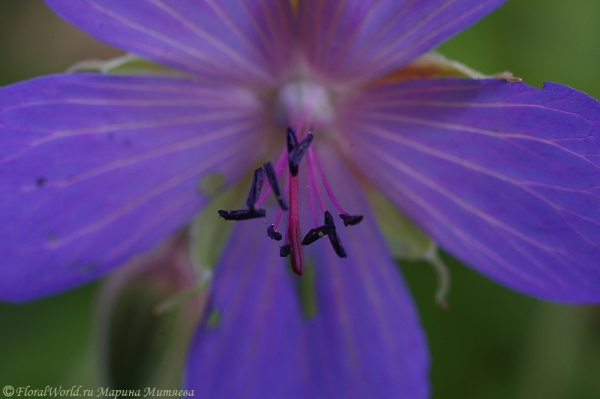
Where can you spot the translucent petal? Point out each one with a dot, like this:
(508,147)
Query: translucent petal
(245,42)
(357,40)
(504,176)
(96,169)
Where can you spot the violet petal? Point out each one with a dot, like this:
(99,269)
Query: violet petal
(96,169)
(364,340)
(358,40)
(243,41)
(504,176)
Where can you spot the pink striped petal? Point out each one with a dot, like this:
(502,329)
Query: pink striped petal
(358,40)
(504,176)
(231,42)
(96,169)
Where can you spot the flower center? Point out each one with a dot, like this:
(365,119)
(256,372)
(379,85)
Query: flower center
(303,105)
(296,150)
(304,102)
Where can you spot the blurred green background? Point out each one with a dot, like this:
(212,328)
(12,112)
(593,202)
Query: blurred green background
(490,343)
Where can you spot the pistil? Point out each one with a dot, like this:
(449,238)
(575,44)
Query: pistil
(295,242)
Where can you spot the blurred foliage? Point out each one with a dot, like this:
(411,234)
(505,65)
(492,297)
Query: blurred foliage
(490,343)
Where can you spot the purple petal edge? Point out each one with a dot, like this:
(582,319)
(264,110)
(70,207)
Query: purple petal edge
(504,176)
(96,169)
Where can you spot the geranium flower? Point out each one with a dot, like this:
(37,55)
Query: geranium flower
(97,169)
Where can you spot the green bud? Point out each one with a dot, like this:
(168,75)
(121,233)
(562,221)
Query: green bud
(139,346)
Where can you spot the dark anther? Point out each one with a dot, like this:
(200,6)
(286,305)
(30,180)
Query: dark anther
(351,220)
(274,235)
(337,244)
(316,233)
(275,186)
(302,147)
(292,140)
(285,250)
(40,181)
(243,214)
(251,212)
(329,219)
(298,152)
(257,183)
(333,236)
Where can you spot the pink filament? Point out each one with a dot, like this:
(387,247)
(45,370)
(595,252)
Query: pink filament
(334,200)
(279,210)
(311,198)
(311,166)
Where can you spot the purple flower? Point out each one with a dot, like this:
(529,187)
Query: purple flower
(99,168)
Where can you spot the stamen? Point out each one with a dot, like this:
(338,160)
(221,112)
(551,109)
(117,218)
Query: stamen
(316,233)
(285,250)
(251,212)
(311,186)
(255,188)
(279,168)
(275,185)
(274,235)
(279,214)
(298,152)
(333,237)
(292,140)
(286,188)
(351,220)
(243,214)
(293,242)
(313,178)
